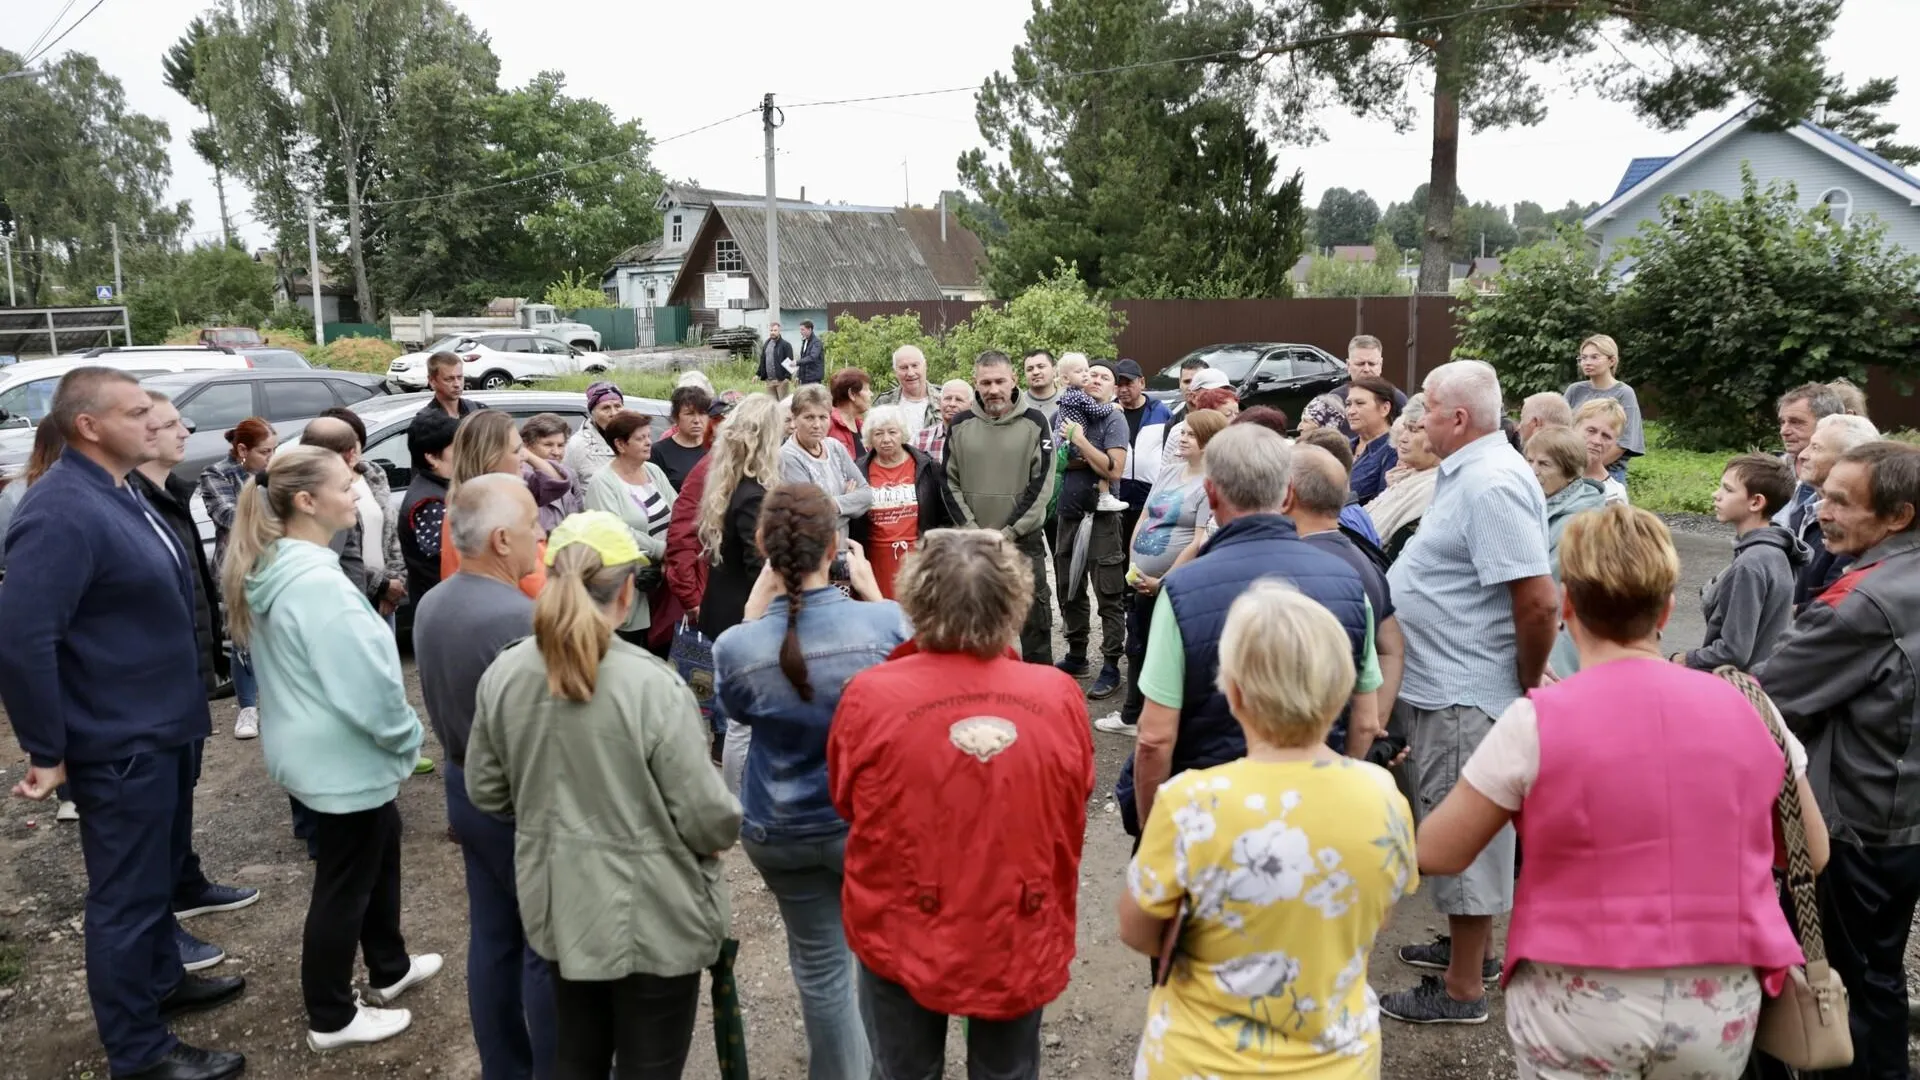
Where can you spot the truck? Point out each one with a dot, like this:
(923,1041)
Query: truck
(417,330)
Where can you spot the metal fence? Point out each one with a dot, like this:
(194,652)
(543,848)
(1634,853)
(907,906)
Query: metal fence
(56,330)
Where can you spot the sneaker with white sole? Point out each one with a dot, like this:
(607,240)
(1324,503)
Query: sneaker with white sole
(67,811)
(1109,503)
(1113,725)
(423,967)
(369,1025)
(247,724)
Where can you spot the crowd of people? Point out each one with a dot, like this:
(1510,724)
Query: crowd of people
(1394,651)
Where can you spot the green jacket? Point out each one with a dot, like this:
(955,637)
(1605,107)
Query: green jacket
(1000,471)
(620,814)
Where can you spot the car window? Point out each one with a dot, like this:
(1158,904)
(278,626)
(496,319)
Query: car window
(282,359)
(298,399)
(1310,363)
(497,344)
(522,345)
(32,400)
(554,348)
(390,453)
(219,406)
(350,392)
(1275,366)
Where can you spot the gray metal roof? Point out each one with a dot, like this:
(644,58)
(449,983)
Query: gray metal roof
(832,254)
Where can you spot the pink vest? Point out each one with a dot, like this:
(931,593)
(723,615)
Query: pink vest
(1649,833)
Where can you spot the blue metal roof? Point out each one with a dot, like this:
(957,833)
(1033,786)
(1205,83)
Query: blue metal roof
(1860,152)
(1639,169)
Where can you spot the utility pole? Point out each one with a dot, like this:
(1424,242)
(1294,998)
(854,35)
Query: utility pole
(313,271)
(906,185)
(119,293)
(7,246)
(768,122)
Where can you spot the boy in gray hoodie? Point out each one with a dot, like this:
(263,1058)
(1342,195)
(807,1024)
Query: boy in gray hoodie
(1749,605)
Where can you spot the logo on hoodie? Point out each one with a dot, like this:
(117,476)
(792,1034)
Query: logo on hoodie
(983,737)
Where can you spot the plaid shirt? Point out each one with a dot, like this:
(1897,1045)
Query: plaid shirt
(932,439)
(220,488)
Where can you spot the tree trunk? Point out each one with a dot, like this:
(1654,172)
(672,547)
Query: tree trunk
(362,292)
(220,190)
(1443,183)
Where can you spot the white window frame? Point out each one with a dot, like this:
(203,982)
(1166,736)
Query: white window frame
(1839,209)
(726,256)
(676,228)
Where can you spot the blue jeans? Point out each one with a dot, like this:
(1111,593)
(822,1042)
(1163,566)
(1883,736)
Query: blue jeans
(509,989)
(805,879)
(246,689)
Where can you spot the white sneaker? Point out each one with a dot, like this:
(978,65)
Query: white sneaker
(1113,725)
(247,724)
(67,811)
(370,1025)
(424,966)
(1108,502)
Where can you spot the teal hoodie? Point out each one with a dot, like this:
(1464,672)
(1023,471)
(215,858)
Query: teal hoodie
(335,723)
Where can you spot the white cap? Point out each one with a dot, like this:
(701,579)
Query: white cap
(1209,379)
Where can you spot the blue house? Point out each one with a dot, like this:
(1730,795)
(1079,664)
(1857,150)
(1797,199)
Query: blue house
(1823,165)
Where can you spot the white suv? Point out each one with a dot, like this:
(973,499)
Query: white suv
(26,388)
(497,360)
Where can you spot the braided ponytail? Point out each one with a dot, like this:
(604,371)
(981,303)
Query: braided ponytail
(799,526)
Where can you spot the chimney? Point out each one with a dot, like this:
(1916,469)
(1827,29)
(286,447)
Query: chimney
(1820,112)
(803,193)
(943,217)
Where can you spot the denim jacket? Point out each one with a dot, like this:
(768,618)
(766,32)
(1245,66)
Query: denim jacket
(785,793)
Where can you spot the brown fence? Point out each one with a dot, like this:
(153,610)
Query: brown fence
(1418,332)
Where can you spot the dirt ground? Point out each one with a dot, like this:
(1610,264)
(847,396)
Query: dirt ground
(243,835)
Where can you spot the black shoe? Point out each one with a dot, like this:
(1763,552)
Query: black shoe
(185,1062)
(1429,1003)
(1438,955)
(1075,666)
(197,992)
(1107,683)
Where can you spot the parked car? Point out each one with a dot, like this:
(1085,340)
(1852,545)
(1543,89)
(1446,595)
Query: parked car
(26,388)
(272,356)
(212,402)
(540,318)
(233,337)
(1283,375)
(495,361)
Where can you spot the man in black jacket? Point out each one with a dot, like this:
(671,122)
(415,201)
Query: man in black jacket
(429,441)
(775,354)
(811,364)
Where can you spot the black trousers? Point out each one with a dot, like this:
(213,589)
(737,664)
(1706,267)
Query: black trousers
(1105,577)
(639,1027)
(1036,634)
(356,902)
(910,1040)
(1139,619)
(1867,899)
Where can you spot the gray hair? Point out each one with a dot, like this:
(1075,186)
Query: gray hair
(1472,385)
(1316,479)
(1847,431)
(992,358)
(1247,465)
(913,351)
(1416,411)
(481,506)
(961,385)
(1822,400)
(1550,408)
(885,416)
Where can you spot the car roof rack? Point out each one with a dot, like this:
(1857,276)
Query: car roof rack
(106,349)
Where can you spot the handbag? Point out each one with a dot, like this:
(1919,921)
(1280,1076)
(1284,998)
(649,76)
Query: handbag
(1805,1027)
(692,658)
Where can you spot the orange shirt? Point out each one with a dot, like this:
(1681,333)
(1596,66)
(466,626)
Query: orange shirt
(894,519)
(450,563)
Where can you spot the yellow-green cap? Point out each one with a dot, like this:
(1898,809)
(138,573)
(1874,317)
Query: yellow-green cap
(599,530)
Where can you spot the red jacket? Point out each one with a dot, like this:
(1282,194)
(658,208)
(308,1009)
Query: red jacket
(849,437)
(964,784)
(686,570)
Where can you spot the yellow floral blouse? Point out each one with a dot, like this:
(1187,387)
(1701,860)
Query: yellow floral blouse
(1287,870)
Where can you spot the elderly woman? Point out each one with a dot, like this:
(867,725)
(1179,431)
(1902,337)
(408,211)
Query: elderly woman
(908,496)
(1559,457)
(852,393)
(1275,871)
(1600,422)
(1396,513)
(811,456)
(588,451)
(1371,411)
(544,470)
(953,756)
(598,752)
(635,490)
(1606,974)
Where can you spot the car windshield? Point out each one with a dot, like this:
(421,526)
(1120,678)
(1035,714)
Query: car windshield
(1235,363)
(237,337)
(450,343)
(276,358)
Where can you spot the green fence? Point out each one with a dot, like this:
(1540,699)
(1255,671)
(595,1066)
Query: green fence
(619,327)
(670,324)
(334,331)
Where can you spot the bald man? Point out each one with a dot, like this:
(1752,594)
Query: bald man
(458,629)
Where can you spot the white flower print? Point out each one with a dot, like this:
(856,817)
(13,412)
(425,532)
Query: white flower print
(1289,800)
(1329,858)
(1195,825)
(1233,920)
(1257,975)
(1221,783)
(1274,862)
(1330,894)
(1207,893)
(1145,884)
(1352,973)
(1256,801)
(1158,1021)
(1344,1034)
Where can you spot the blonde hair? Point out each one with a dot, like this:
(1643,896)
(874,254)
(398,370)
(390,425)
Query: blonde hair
(260,514)
(480,440)
(572,634)
(965,591)
(1608,348)
(1852,397)
(1289,661)
(1204,424)
(747,448)
(1619,569)
(1606,408)
(1560,446)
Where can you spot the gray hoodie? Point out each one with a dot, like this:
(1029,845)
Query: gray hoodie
(1749,605)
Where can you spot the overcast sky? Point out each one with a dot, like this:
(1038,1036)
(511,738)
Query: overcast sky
(677,67)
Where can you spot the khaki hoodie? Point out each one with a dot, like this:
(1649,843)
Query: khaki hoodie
(1000,471)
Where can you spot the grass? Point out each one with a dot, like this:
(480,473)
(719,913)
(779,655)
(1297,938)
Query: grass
(13,960)
(729,375)
(1667,480)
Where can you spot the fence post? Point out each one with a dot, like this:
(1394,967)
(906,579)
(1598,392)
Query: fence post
(53,337)
(1413,337)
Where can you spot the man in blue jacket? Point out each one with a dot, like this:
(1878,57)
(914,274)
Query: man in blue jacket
(102,686)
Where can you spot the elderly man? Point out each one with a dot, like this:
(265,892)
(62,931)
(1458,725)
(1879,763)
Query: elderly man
(1477,603)
(1832,437)
(460,628)
(1365,360)
(999,466)
(1097,458)
(102,685)
(1043,382)
(910,392)
(1185,723)
(1801,409)
(1542,411)
(955,396)
(1846,680)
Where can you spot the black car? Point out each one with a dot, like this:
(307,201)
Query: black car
(1282,375)
(210,402)
(269,356)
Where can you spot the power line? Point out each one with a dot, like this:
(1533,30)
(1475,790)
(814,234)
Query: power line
(63,34)
(28,51)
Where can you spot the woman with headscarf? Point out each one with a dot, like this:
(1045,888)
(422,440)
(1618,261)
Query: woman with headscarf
(589,450)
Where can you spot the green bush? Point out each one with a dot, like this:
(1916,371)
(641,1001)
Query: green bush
(732,375)
(574,292)
(369,355)
(290,319)
(1060,314)
(1551,297)
(868,344)
(1672,480)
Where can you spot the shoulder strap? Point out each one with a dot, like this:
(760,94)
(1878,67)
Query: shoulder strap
(1806,908)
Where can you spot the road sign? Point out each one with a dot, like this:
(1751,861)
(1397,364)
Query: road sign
(103,292)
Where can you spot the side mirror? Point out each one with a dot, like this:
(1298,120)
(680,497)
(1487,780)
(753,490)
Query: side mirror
(188,423)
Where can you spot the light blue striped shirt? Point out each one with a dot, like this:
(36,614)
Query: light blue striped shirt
(1487,527)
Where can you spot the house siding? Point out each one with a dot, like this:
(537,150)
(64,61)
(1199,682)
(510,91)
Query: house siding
(1774,156)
